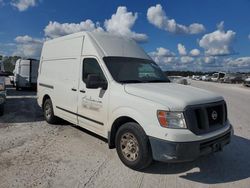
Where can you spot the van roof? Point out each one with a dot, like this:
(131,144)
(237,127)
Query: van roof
(110,45)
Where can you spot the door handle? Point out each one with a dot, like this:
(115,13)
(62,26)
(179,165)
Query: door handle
(82,91)
(73,89)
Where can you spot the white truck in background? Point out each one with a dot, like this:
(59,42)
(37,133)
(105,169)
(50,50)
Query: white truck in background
(2,95)
(110,86)
(26,73)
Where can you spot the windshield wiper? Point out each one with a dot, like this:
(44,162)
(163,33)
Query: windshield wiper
(130,81)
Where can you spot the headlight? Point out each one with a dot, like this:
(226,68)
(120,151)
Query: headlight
(1,87)
(174,120)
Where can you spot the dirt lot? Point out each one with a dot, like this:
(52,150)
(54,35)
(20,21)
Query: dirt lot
(35,154)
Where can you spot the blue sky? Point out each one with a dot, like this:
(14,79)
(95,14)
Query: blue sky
(218,40)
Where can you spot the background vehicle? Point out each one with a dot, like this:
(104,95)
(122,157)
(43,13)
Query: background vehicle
(2,95)
(216,77)
(247,82)
(233,78)
(206,78)
(12,79)
(110,86)
(25,73)
(196,77)
(179,80)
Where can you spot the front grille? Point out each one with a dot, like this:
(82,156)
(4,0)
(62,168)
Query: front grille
(206,118)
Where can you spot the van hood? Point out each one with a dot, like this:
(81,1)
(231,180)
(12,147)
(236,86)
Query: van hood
(174,96)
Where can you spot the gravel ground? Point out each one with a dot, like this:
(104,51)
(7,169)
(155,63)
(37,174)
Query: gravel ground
(35,154)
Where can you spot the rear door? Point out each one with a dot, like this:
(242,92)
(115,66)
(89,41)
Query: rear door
(92,103)
(24,73)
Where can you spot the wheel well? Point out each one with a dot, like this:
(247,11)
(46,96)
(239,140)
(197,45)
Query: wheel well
(115,126)
(45,98)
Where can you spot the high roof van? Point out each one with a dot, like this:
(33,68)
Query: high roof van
(26,73)
(110,86)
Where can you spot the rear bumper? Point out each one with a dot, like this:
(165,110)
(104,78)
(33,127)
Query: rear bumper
(166,151)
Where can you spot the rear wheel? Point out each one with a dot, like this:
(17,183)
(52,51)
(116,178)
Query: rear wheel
(133,147)
(49,112)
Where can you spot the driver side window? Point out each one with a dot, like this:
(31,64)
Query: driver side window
(91,66)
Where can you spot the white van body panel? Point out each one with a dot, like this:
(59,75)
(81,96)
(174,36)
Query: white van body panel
(178,96)
(118,46)
(61,71)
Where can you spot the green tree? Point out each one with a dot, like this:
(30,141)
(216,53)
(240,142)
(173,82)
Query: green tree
(9,63)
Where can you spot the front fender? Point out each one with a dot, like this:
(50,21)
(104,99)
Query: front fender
(132,113)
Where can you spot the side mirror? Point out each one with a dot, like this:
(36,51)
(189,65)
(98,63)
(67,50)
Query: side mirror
(94,81)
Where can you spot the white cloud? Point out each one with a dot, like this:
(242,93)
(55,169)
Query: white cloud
(162,52)
(168,61)
(55,29)
(187,59)
(241,63)
(28,47)
(181,49)
(120,23)
(210,59)
(195,52)
(218,42)
(23,5)
(163,57)
(157,16)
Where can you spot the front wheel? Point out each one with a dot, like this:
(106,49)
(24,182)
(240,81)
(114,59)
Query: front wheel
(133,147)
(49,112)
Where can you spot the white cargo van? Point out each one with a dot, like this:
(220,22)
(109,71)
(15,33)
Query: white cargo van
(110,86)
(25,73)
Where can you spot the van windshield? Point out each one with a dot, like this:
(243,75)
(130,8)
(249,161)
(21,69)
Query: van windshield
(134,70)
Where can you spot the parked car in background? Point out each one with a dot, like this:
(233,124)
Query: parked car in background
(26,73)
(246,82)
(2,95)
(206,77)
(216,77)
(196,77)
(12,79)
(179,80)
(233,78)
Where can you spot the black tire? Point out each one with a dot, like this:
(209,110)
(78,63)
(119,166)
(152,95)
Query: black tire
(1,109)
(48,112)
(141,156)
(17,88)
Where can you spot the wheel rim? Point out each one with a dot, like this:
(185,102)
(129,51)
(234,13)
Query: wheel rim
(48,110)
(129,146)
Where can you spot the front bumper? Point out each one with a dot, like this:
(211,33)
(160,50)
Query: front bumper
(166,151)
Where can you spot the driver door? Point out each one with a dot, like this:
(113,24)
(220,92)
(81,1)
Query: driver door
(92,103)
